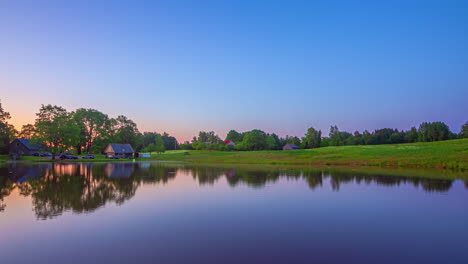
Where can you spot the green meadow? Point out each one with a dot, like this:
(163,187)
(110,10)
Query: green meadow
(450,154)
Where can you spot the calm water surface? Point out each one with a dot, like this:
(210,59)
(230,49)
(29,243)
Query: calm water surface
(175,213)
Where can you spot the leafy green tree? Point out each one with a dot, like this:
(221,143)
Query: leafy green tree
(292,140)
(396,138)
(411,135)
(149,138)
(338,138)
(169,141)
(435,131)
(93,124)
(312,138)
(234,136)
(126,132)
(186,146)
(7,134)
(159,144)
(464,131)
(273,142)
(355,139)
(56,128)
(325,142)
(27,131)
(7,131)
(367,138)
(254,140)
(207,137)
(4,115)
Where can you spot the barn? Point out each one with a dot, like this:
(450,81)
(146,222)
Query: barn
(22,147)
(119,150)
(290,147)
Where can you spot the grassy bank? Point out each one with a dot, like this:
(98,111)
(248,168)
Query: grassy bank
(451,154)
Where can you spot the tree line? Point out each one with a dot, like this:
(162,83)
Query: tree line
(259,140)
(83,131)
(89,131)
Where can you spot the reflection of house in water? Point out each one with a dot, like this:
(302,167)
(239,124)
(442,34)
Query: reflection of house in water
(119,170)
(22,174)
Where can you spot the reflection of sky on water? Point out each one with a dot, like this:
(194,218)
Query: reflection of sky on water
(180,213)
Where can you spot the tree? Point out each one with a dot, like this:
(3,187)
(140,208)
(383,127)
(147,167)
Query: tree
(149,138)
(159,144)
(93,124)
(325,142)
(207,137)
(464,131)
(338,138)
(27,131)
(396,138)
(126,132)
(312,138)
(7,134)
(355,139)
(254,140)
(435,131)
(411,135)
(4,115)
(56,128)
(234,136)
(169,141)
(7,131)
(273,142)
(186,146)
(292,140)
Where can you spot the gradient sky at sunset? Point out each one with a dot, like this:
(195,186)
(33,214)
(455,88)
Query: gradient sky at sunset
(280,66)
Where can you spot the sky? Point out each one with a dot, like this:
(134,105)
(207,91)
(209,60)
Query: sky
(279,66)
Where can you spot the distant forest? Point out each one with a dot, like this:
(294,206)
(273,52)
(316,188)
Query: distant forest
(89,131)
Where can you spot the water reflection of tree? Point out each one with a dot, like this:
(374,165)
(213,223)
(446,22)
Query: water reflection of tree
(6,187)
(78,187)
(83,188)
(427,184)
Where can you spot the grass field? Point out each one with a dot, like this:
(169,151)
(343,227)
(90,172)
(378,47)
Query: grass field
(451,154)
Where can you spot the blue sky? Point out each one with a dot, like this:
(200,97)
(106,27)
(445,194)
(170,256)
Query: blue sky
(280,66)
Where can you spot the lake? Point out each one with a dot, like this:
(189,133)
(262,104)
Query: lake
(179,213)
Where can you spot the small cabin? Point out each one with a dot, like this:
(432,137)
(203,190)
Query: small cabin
(290,147)
(22,147)
(119,150)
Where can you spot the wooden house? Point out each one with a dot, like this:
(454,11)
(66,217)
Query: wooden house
(290,147)
(119,150)
(22,147)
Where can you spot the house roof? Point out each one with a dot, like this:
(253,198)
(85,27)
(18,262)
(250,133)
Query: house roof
(291,146)
(121,148)
(26,143)
(228,141)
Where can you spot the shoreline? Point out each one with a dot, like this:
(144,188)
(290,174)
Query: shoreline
(451,155)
